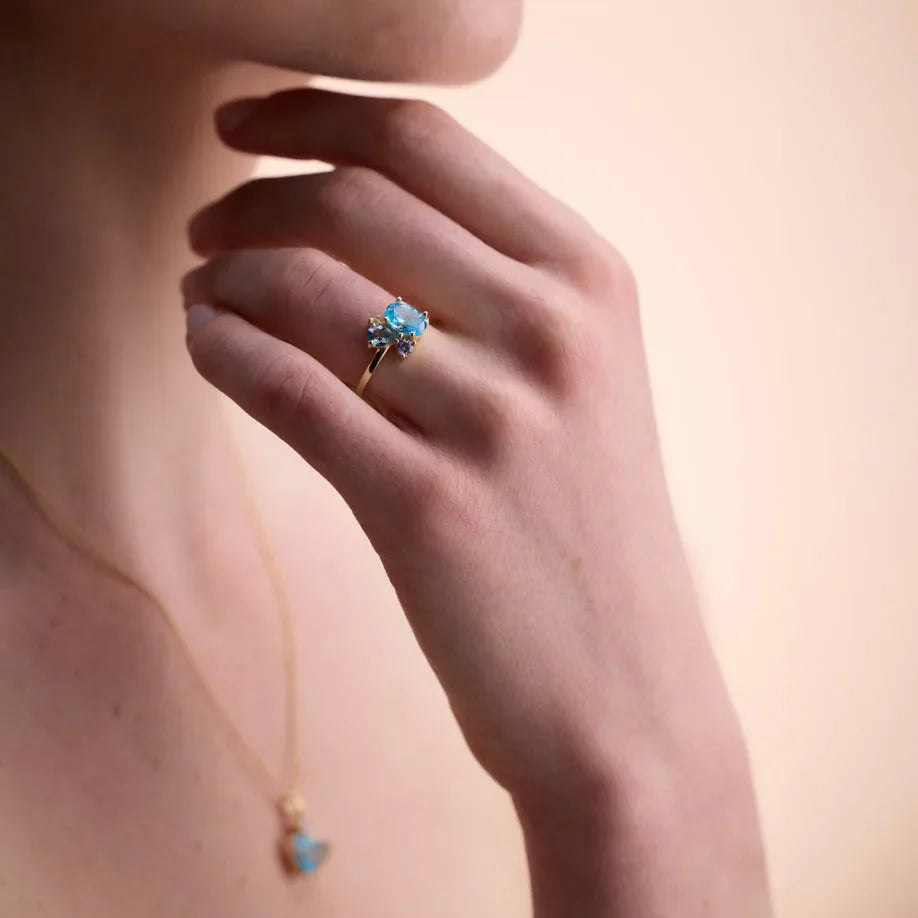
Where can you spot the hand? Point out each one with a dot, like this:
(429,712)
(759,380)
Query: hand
(508,471)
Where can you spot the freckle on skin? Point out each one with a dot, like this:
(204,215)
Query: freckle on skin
(116,710)
(77,672)
(156,762)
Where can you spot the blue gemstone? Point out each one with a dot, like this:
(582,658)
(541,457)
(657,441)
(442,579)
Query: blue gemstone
(405,318)
(307,853)
(380,335)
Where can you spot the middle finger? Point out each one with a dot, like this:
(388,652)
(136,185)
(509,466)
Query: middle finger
(380,230)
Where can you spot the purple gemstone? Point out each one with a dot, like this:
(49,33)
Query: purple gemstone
(404,346)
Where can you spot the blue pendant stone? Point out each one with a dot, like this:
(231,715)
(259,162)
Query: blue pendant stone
(307,853)
(405,318)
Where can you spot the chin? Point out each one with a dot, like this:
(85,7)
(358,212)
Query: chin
(468,41)
(431,41)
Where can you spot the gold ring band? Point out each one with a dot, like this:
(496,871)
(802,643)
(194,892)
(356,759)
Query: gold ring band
(368,372)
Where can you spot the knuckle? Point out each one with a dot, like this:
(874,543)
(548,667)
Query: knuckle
(540,313)
(408,123)
(440,499)
(500,419)
(542,319)
(558,342)
(347,189)
(597,268)
(428,483)
(282,383)
(415,496)
(579,361)
(237,277)
(306,279)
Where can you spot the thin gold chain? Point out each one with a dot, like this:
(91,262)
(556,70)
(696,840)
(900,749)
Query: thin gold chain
(274,784)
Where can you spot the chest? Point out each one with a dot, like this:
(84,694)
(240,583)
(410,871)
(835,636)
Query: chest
(124,791)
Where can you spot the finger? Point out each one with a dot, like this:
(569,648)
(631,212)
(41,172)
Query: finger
(421,148)
(361,454)
(321,306)
(378,229)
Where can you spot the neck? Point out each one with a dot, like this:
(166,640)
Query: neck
(108,154)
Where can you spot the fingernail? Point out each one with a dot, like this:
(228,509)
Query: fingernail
(233,114)
(198,315)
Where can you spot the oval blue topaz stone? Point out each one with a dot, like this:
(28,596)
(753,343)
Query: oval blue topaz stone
(405,319)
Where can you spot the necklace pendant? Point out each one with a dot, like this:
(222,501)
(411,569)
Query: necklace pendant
(300,852)
(303,854)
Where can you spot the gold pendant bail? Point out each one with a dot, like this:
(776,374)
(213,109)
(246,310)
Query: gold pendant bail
(293,809)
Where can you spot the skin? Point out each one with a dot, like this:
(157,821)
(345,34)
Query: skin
(507,475)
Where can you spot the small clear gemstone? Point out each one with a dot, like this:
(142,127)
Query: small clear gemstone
(405,318)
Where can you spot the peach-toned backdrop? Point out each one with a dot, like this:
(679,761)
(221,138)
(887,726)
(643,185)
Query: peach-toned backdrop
(758,165)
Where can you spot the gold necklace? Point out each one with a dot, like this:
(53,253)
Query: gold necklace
(299,852)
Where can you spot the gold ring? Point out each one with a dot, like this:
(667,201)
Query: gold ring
(400,326)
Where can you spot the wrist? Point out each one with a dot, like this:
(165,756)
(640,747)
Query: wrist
(669,831)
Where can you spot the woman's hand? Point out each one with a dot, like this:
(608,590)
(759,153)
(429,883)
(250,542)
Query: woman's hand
(507,472)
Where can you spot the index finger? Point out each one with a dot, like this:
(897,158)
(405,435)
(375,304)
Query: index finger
(421,148)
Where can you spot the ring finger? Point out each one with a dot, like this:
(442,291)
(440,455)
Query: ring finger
(321,306)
